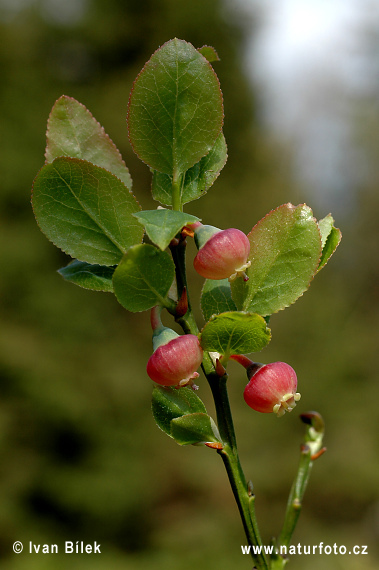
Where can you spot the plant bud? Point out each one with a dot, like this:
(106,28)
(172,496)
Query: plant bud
(223,255)
(272,388)
(175,362)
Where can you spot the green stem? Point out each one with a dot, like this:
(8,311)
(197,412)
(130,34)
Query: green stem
(229,455)
(295,498)
(311,449)
(229,452)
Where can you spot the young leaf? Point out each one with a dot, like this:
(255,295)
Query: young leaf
(94,277)
(209,53)
(143,278)
(194,428)
(169,403)
(325,226)
(235,333)
(330,246)
(216,297)
(162,225)
(86,211)
(197,180)
(285,253)
(175,109)
(72,131)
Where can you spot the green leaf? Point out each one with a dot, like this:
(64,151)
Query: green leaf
(86,211)
(216,297)
(330,246)
(330,239)
(94,277)
(235,333)
(209,53)
(197,180)
(325,226)
(170,403)
(72,131)
(193,429)
(143,278)
(162,225)
(175,109)
(285,253)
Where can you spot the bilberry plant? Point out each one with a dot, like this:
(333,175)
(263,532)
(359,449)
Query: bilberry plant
(83,202)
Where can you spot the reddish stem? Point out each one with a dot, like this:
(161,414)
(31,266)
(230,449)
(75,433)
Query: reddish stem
(155,317)
(242,359)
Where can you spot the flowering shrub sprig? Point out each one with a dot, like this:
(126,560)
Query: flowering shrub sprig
(83,202)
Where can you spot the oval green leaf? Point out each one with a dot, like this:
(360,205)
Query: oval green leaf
(143,278)
(175,109)
(162,225)
(235,333)
(216,297)
(197,180)
(93,277)
(86,211)
(284,255)
(73,131)
(170,403)
(193,429)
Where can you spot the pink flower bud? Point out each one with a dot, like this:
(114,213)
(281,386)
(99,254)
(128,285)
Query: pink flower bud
(272,388)
(175,363)
(224,255)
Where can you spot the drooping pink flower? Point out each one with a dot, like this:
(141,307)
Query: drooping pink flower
(223,255)
(272,388)
(176,362)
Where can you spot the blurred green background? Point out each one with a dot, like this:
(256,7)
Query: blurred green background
(81,458)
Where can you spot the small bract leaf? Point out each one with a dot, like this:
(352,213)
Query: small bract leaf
(86,211)
(162,225)
(73,131)
(197,180)
(193,428)
(235,333)
(325,225)
(209,53)
(94,277)
(330,246)
(216,297)
(170,403)
(143,278)
(175,109)
(285,252)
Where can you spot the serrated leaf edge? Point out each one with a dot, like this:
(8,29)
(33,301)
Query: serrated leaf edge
(73,159)
(137,78)
(249,313)
(291,206)
(67,97)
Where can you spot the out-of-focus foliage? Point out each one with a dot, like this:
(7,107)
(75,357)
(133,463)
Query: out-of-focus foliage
(81,456)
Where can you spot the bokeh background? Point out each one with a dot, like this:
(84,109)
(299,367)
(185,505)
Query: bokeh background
(81,458)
